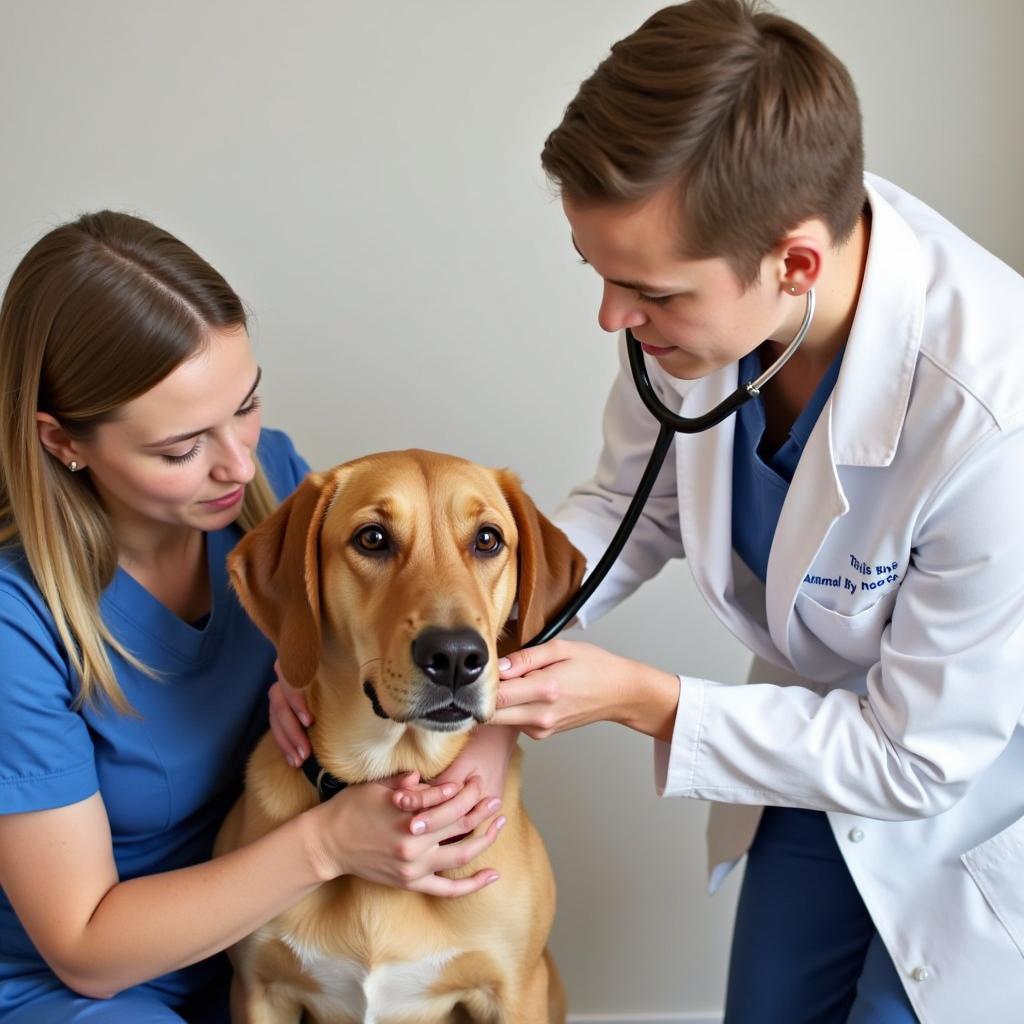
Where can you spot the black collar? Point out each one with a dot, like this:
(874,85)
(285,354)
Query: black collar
(325,784)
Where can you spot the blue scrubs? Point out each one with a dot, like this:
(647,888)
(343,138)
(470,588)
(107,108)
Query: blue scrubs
(167,777)
(804,948)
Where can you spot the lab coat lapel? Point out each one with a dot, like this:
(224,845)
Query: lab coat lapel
(814,501)
(859,426)
(861,422)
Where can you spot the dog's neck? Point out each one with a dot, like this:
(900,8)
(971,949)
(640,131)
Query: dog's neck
(354,745)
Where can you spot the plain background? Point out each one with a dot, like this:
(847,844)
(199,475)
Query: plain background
(367,177)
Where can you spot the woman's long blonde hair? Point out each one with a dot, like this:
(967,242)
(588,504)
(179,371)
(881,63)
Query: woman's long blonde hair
(98,312)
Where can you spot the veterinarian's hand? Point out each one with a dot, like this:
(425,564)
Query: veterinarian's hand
(288,717)
(362,833)
(486,756)
(564,684)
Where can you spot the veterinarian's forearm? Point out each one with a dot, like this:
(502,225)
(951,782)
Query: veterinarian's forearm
(651,704)
(145,927)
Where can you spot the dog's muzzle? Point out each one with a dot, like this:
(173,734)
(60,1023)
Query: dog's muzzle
(452,661)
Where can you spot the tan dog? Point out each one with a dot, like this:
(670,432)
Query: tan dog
(385,585)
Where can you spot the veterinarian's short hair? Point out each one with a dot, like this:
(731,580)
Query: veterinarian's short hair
(750,115)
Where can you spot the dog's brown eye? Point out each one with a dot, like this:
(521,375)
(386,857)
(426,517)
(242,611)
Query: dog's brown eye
(489,541)
(372,539)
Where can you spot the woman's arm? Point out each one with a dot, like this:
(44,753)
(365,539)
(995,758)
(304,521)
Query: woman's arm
(101,935)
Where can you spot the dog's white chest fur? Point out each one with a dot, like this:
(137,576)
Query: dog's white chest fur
(370,995)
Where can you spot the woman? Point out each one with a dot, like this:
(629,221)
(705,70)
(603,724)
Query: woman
(133,686)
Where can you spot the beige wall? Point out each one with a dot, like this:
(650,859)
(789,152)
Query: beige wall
(366,175)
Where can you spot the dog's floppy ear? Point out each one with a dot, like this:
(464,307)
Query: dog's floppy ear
(550,568)
(275,570)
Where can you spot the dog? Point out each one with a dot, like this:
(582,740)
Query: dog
(390,587)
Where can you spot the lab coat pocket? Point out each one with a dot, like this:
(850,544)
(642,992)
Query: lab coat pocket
(997,866)
(856,637)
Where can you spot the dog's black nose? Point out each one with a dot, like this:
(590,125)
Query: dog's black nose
(451,658)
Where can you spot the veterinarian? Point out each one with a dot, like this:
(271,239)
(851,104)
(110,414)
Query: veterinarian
(132,684)
(857,525)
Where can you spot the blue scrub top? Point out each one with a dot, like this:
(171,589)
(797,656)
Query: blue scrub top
(167,777)
(760,477)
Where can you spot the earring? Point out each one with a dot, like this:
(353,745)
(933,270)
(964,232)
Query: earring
(73,466)
(793,289)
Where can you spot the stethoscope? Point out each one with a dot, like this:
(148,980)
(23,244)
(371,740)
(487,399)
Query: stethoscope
(671,424)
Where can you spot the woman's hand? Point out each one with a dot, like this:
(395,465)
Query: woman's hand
(364,830)
(564,684)
(485,756)
(361,832)
(289,719)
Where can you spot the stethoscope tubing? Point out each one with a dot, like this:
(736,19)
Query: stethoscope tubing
(695,424)
(671,424)
(567,612)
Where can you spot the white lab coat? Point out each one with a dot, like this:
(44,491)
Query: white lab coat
(890,630)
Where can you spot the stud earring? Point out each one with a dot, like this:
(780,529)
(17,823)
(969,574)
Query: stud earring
(73,466)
